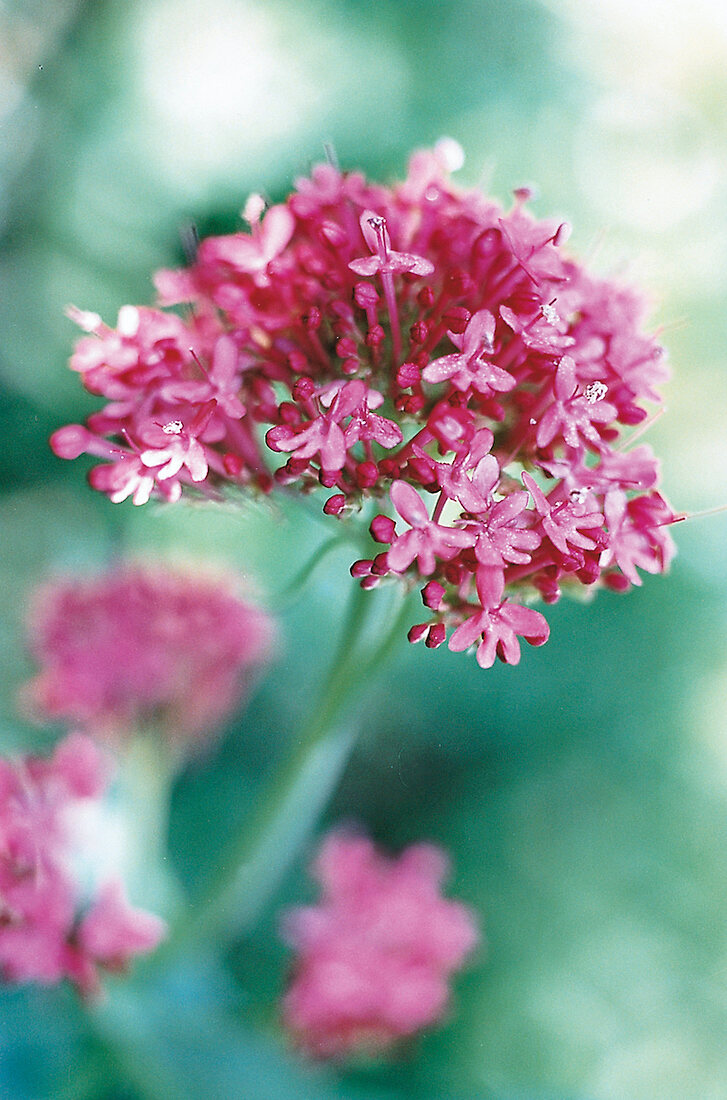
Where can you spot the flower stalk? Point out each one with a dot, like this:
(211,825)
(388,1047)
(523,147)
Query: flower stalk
(290,803)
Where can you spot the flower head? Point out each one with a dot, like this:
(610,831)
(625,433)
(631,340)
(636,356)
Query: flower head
(50,926)
(375,954)
(487,351)
(142,646)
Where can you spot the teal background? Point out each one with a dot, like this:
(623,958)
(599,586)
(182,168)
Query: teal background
(582,795)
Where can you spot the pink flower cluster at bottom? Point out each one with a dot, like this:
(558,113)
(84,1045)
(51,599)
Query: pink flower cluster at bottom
(375,954)
(48,930)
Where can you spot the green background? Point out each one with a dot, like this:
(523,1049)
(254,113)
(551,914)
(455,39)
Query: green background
(582,795)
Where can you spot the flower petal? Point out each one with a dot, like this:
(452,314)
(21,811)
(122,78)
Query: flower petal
(409,504)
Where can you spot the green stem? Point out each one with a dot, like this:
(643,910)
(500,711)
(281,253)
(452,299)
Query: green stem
(294,587)
(146,772)
(118,1026)
(289,805)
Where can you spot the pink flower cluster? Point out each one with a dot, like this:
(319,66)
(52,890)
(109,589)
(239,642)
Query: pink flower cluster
(48,929)
(374,956)
(415,345)
(143,646)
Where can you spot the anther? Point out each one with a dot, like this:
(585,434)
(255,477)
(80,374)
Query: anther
(595,391)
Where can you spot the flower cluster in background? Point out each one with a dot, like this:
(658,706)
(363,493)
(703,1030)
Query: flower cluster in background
(150,650)
(144,646)
(50,926)
(140,653)
(416,345)
(375,954)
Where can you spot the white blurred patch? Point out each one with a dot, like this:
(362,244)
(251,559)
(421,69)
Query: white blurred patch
(228,83)
(645,161)
(663,44)
(99,844)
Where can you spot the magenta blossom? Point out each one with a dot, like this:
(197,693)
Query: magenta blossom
(495,627)
(50,927)
(425,541)
(395,344)
(472,368)
(143,646)
(375,954)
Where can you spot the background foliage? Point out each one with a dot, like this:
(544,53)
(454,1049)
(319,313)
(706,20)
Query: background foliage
(584,794)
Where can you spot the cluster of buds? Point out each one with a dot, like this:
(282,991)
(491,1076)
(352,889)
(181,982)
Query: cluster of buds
(375,954)
(142,647)
(416,346)
(51,926)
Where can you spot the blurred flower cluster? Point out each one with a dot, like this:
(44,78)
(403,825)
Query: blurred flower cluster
(144,646)
(414,346)
(374,956)
(138,650)
(49,928)
(166,654)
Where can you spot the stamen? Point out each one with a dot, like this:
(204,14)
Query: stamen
(189,238)
(679,517)
(439,506)
(329,152)
(644,427)
(550,313)
(378,225)
(199,363)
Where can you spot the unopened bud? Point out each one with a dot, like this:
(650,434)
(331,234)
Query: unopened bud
(437,634)
(334,505)
(432,595)
(383,529)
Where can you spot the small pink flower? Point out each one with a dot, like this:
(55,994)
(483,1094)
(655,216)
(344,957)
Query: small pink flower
(220,382)
(143,646)
(426,540)
(251,254)
(495,628)
(178,446)
(325,435)
(563,520)
(385,260)
(501,534)
(544,332)
(472,476)
(374,956)
(573,415)
(637,538)
(473,367)
(129,477)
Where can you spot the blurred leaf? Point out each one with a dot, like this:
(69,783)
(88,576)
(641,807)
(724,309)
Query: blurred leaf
(201,1048)
(37,1035)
